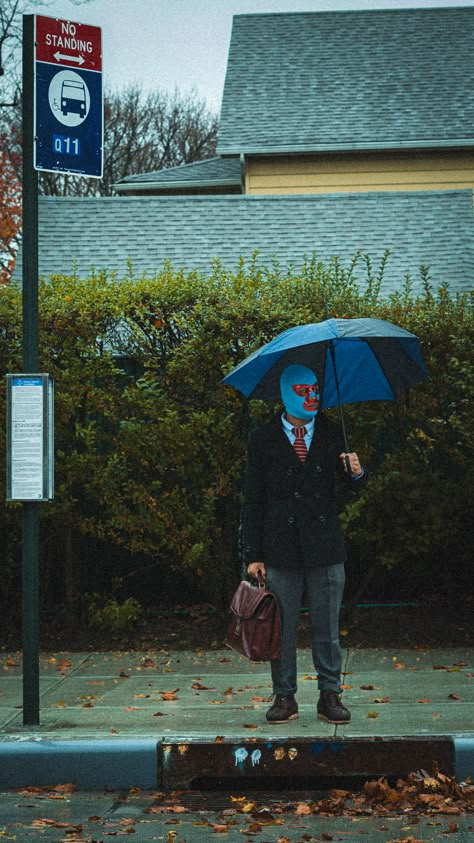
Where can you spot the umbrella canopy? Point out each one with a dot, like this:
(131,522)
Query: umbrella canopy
(354,360)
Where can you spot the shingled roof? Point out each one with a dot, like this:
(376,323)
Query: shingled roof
(434,228)
(329,81)
(215,172)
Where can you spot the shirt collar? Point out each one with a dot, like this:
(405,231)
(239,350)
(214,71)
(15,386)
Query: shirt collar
(309,425)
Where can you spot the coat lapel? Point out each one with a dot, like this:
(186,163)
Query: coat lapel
(280,440)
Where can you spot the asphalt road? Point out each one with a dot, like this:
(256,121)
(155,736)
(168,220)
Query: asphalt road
(195,817)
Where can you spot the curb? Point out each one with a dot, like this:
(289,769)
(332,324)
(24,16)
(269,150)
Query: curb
(464,757)
(88,764)
(181,762)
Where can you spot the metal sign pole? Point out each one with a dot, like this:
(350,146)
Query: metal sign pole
(30,583)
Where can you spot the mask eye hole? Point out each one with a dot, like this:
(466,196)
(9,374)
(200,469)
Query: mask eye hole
(304,390)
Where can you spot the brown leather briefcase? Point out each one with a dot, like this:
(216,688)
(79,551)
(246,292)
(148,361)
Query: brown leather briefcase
(255,629)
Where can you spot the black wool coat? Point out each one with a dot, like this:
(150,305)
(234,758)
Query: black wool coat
(291,509)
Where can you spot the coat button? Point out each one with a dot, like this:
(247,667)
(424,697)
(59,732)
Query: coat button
(317,495)
(289,472)
(322,519)
(297,495)
(319,469)
(291,519)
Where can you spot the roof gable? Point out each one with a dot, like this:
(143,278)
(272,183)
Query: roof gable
(211,171)
(349,80)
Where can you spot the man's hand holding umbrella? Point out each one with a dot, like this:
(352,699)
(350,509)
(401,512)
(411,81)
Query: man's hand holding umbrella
(355,466)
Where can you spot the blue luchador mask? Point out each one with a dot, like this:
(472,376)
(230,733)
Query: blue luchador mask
(300,392)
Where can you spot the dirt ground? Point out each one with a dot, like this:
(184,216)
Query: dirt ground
(427,625)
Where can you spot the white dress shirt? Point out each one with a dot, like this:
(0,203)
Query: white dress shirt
(288,429)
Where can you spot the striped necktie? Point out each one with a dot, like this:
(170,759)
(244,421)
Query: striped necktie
(299,444)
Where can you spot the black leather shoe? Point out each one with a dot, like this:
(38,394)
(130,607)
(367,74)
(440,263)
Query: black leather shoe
(331,709)
(283,709)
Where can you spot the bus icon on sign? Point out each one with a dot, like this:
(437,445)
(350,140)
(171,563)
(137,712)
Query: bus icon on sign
(69,98)
(73,98)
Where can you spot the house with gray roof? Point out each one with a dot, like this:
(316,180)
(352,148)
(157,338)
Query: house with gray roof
(194,231)
(339,131)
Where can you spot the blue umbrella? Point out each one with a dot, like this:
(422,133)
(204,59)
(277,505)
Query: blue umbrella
(354,360)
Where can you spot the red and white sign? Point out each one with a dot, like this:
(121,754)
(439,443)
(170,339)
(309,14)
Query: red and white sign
(68,44)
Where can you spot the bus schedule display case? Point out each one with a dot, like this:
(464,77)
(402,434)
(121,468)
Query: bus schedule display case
(30,437)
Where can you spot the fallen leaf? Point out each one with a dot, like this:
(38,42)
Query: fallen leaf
(424,700)
(248,807)
(264,817)
(346,687)
(219,739)
(131,708)
(369,688)
(160,714)
(48,823)
(250,726)
(453,828)
(302,809)
(124,675)
(454,697)
(169,695)
(198,687)
(429,781)
(309,676)
(372,714)
(148,663)
(381,700)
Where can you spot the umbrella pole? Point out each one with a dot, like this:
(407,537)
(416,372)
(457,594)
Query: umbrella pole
(339,404)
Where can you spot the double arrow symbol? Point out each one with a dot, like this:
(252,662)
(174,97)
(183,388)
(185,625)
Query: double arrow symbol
(60,57)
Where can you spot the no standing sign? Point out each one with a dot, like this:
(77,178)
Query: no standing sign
(68,112)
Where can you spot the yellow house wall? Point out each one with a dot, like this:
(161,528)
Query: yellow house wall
(360,172)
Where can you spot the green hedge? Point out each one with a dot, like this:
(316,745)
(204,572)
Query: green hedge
(150,447)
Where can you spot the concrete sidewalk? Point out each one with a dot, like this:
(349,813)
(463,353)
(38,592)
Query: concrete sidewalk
(167,719)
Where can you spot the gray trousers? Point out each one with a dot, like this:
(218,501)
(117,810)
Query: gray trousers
(324,587)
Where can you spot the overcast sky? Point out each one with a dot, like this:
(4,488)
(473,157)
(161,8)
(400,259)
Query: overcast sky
(184,43)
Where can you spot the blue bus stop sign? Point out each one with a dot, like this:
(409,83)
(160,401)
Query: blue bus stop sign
(68,97)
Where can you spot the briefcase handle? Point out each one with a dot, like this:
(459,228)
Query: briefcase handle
(260,580)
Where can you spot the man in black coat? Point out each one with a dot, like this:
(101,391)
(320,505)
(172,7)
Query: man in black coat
(293,538)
